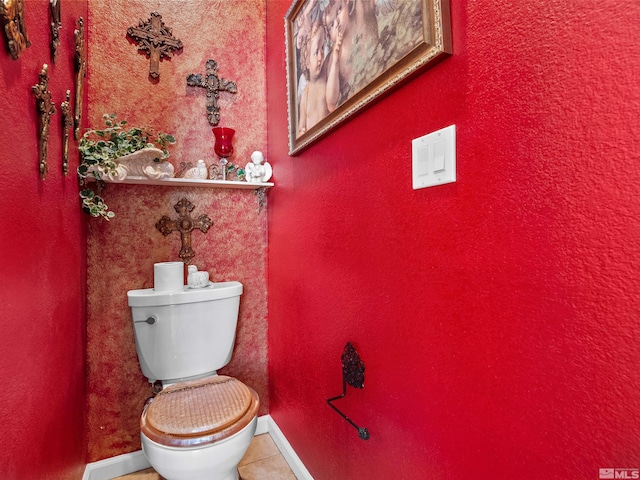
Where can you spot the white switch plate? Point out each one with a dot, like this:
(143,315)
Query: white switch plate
(434,158)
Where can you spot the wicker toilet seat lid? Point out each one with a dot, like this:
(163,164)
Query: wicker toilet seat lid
(198,412)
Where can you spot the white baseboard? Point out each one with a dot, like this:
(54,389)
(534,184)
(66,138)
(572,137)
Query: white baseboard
(127,463)
(116,466)
(296,465)
(263,424)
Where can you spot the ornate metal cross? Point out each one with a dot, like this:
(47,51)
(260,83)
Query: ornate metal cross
(56,25)
(15,28)
(213,84)
(80,61)
(184,224)
(156,39)
(67,125)
(46,108)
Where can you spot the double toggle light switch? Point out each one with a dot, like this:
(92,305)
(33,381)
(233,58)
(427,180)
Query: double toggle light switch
(434,158)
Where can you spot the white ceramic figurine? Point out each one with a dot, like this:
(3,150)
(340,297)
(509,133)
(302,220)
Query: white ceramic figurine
(197,279)
(258,171)
(199,172)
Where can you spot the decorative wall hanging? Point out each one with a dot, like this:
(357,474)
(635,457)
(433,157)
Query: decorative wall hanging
(14,26)
(81,73)
(54,10)
(370,51)
(46,108)
(155,38)
(214,85)
(184,224)
(67,125)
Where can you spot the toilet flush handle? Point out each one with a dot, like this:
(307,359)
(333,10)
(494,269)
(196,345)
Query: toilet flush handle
(151,320)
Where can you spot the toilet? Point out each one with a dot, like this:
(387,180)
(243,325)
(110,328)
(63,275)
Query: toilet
(199,424)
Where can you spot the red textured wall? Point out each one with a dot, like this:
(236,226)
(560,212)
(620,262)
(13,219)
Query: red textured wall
(498,316)
(42,251)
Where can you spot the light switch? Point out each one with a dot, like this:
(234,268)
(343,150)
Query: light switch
(434,158)
(423,162)
(438,156)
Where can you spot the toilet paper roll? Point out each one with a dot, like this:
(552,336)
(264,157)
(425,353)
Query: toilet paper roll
(168,276)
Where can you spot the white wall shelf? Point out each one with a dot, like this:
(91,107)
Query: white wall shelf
(191,182)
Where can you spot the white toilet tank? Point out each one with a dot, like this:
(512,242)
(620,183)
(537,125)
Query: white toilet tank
(186,333)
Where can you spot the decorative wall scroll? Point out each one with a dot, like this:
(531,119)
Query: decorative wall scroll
(46,108)
(67,126)
(14,26)
(81,73)
(184,224)
(156,39)
(213,84)
(54,10)
(372,47)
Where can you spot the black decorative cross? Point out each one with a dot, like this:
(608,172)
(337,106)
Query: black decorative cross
(184,224)
(156,39)
(213,84)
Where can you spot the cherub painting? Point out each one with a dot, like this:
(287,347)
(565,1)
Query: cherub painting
(340,48)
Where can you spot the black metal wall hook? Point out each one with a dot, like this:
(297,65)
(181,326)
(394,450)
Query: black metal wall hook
(353,374)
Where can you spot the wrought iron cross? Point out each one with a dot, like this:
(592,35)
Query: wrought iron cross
(156,39)
(213,84)
(184,224)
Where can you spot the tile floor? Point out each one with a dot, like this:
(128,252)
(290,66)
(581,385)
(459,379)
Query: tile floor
(263,461)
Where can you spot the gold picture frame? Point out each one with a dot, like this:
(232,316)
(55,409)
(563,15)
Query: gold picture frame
(344,54)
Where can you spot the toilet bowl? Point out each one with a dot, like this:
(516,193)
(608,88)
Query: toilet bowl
(199,426)
(199,429)
(218,461)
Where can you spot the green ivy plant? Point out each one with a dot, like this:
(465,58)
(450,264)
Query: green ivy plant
(94,205)
(101,148)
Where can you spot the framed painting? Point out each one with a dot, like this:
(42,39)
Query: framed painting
(344,54)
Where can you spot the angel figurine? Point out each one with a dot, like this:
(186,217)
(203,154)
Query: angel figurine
(258,171)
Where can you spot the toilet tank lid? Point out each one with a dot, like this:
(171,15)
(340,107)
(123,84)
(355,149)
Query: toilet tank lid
(148,297)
